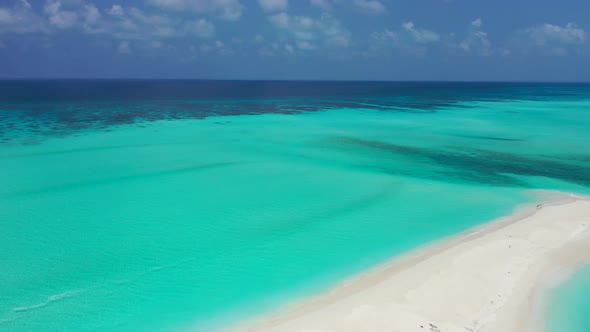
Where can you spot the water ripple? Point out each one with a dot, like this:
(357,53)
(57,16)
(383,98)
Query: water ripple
(50,300)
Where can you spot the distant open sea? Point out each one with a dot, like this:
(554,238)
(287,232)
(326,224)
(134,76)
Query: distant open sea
(187,205)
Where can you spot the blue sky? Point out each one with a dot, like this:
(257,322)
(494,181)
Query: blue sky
(530,40)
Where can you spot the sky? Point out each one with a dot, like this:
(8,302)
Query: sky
(448,40)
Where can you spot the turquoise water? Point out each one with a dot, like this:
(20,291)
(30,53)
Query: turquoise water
(190,224)
(569,305)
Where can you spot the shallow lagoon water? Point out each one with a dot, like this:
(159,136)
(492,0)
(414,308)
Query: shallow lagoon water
(569,303)
(167,222)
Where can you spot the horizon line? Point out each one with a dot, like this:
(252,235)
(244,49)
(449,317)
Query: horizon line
(281,80)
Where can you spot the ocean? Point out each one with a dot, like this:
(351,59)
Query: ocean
(568,304)
(188,205)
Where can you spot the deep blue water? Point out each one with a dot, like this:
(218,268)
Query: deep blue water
(60,107)
(426,92)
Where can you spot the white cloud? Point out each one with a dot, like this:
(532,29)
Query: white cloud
(6,16)
(123,47)
(305,28)
(203,28)
(164,32)
(476,42)
(478,22)
(134,24)
(24,4)
(131,23)
(305,33)
(174,4)
(420,36)
(92,19)
(62,19)
(155,20)
(334,32)
(133,27)
(550,39)
(117,10)
(21,19)
(304,21)
(273,5)
(140,28)
(230,10)
(281,20)
(305,45)
(91,13)
(217,47)
(570,34)
(301,27)
(408,39)
(371,6)
(323,4)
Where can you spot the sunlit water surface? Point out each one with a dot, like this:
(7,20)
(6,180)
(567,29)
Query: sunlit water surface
(152,206)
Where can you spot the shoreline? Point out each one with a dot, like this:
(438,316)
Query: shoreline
(491,277)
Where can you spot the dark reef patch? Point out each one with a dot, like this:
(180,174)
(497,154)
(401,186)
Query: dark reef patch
(465,165)
(60,107)
(491,138)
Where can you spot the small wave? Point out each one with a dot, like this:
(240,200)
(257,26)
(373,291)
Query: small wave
(50,300)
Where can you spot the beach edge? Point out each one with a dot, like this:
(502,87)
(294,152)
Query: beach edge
(341,307)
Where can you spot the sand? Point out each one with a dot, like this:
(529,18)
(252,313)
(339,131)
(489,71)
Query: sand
(490,278)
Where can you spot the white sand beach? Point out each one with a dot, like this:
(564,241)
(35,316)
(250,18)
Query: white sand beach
(491,278)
